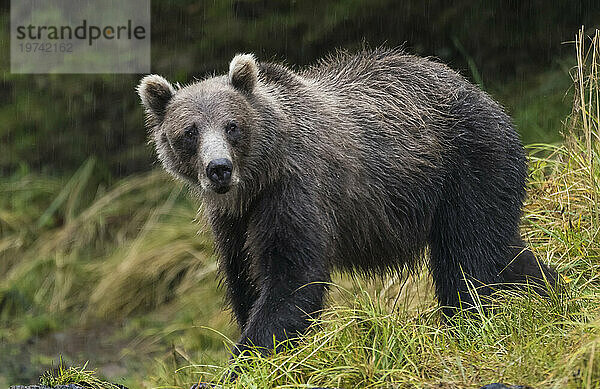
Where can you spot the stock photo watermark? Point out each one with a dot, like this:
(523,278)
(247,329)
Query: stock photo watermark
(80,36)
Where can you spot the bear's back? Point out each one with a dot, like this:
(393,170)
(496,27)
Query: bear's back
(380,132)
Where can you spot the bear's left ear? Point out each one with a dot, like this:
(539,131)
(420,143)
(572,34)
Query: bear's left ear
(243,72)
(155,93)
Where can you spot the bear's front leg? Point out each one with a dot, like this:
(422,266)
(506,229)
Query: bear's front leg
(287,239)
(284,307)
(230,240)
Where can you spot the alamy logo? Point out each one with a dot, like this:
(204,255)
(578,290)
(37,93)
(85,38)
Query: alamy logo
(80,36)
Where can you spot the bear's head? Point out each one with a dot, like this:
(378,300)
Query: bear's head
(203,131)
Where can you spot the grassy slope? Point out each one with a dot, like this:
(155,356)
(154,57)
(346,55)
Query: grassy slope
(75,252)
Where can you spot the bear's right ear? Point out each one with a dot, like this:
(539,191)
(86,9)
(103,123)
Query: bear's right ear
(155,93)
(243,72)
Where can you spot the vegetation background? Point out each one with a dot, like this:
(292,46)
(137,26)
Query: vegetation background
(103,258)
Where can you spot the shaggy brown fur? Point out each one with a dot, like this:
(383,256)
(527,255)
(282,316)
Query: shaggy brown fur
(360,162)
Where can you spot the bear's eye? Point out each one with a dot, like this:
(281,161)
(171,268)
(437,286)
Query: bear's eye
(191,131)
(190,135)
(232,128)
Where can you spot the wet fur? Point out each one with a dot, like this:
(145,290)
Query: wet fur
(363,163)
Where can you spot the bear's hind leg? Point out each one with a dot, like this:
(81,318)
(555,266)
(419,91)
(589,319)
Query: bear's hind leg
(468,258)
(523,268)
(461,267)
(469,244)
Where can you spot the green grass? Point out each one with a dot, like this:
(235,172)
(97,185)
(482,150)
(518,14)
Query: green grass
(64,375)
(77,254)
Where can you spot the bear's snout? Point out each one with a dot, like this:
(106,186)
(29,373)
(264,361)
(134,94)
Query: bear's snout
(218,172)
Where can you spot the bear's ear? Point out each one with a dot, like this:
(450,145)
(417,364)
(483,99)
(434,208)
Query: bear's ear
(155,93)
(243,72)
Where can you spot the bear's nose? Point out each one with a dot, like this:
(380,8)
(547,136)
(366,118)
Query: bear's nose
(219,171)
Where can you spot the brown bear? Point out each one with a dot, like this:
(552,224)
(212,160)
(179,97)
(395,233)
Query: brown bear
(364,162)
